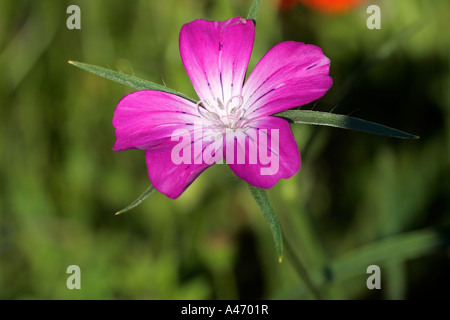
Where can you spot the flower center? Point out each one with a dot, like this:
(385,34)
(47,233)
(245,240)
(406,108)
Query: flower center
(224,116)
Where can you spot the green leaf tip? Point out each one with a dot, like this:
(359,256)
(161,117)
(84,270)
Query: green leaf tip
(138,201)
(253,12)
(128,80)
(343,122)
(269,214)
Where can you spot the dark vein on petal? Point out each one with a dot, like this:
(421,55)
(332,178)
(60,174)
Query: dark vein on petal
(257,101)
(221,86)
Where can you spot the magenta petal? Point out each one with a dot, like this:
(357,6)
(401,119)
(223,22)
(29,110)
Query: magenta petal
(291,74)
(276,159)
(173,177)
(215,56)
(145,118)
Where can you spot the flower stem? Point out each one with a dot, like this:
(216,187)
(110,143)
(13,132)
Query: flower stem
(301,270)
(281,241)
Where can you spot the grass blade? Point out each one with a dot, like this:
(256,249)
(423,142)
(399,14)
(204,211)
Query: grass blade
(398,248)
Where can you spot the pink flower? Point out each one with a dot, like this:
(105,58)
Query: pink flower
(232,116)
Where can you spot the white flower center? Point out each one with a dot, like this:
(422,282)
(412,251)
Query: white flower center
(224,117)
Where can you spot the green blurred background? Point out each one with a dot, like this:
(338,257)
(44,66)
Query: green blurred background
(358,199)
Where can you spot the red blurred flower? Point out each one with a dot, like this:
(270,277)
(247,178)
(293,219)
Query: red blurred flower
(326,6)
(287,4)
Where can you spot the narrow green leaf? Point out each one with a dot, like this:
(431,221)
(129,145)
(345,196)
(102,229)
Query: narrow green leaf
(342,121)
(263,201)
(125,79)
(253,12)
(395,248)
(138,201)
(399,248)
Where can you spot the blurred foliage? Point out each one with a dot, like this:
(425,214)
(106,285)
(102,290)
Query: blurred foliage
(357,200)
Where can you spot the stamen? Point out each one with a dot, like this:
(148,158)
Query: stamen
(220,103)
(223,117)
(240,102)
(202,109)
